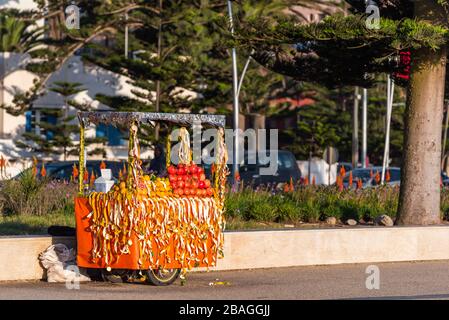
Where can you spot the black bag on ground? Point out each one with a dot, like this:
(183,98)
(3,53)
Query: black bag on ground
(60,231)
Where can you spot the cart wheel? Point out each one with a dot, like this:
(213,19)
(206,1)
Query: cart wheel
(114,276)
(162,277)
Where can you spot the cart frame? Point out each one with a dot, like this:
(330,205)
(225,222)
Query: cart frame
(87,118)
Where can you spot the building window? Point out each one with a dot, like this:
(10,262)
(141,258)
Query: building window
(29,122)
(113,135)
(52,120)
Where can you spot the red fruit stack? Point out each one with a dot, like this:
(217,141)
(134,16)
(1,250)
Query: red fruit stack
(189,181)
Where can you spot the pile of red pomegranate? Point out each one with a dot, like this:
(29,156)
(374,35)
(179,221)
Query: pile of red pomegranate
(189,180)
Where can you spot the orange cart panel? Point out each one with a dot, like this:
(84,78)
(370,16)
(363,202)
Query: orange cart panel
(125,261)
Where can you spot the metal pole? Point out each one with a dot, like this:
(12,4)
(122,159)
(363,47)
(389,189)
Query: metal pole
(235,164)
(355,130)
(242,76)
(390,96)
(364,127)
(386,130)
(126,36)
(310,167)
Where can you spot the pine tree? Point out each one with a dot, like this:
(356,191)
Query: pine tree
(343,50)
(186,52)
(58,126)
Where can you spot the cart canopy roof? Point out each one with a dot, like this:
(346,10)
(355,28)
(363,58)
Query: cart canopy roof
(127,118)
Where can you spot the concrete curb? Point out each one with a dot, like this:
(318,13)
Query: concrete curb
(19,256)
(268,249)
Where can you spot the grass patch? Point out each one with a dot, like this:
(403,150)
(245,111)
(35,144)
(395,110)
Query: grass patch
(34,225)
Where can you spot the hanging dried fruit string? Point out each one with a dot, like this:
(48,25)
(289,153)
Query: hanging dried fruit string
(134,162)
(184,153)
(222,162)
(168,150)
(82,160)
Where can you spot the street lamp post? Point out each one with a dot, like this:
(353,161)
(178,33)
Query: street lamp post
(355,129)
(364,127)
(235,88)
(390,96)
(126,35)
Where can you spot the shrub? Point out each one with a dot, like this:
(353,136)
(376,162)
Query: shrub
(314,203)
(30,196)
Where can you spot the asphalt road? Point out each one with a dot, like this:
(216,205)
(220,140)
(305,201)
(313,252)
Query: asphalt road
(419,280)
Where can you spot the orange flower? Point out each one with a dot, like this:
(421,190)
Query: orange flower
(350,180)
(377,177)
(237,176)
(306,181)
(43,171)
(340,183)
(86,176)
(359,183)
(120,174)
(387,176)
(102,165)
(292,187)
(124,170)
(75,172)
(342,171)
(286,188)
(92,178)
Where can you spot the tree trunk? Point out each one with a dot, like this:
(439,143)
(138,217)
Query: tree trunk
(419,200)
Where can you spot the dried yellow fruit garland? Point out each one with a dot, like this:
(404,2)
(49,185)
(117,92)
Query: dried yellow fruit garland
(191,221)
(186,222)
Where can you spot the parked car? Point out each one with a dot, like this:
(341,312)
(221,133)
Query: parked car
(287,169)
(62,170)
(250,173)
(370,181)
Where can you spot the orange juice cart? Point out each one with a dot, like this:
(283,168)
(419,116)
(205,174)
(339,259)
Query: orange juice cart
(146,226)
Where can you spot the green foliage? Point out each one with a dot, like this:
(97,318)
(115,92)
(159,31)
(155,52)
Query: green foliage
(312,204)
(192,53)
(340,50)
(57,134)
(17,35)
(328,122)
(30,196)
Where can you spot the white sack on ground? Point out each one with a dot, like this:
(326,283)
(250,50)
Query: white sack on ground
(60,263)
